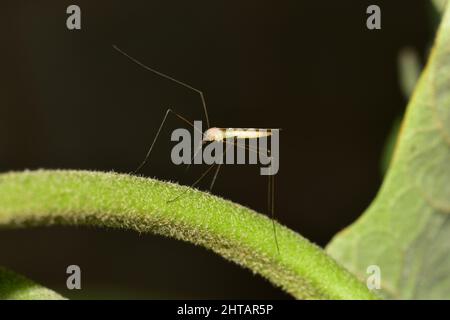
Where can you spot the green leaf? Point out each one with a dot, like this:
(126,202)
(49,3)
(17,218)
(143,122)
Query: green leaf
(129,202)
(439,5)
(409,69)
(17,287)
(406,230)
(389,146)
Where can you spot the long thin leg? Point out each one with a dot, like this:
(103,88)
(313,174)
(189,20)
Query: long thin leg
(217,170)
(270,196)
(272,209)
(147,156)
(215,177)
(204,175)
(202,97)
(194,184)
(193,157)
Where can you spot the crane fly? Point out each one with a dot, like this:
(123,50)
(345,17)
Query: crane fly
(212,134)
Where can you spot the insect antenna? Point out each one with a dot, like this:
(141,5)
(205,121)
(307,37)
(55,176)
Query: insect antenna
(202,97)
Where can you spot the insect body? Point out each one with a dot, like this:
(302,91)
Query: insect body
(220,134)
(212,134)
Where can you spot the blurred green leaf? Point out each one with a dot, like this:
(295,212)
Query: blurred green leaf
(409,69)
(390,145)
(406,230)
(439,5)
(436,10)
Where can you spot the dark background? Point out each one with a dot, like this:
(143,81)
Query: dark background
(68,100)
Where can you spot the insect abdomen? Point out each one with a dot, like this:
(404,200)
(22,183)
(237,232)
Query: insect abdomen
(247,133)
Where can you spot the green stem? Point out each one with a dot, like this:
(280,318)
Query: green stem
(127,202)
(17,287)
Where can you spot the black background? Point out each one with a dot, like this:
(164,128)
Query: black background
(312,68)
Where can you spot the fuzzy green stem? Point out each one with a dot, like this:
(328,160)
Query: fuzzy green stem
(128,202)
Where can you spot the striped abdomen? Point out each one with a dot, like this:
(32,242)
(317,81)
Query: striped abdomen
(220,134)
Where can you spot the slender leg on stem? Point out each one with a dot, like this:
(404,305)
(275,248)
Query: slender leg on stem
(270,193)
(194,184)
(218,168)
(215,177)
(272,208)
(147,156)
